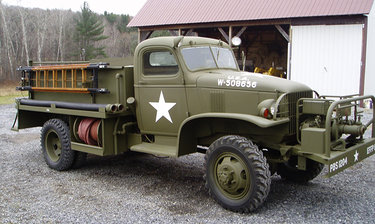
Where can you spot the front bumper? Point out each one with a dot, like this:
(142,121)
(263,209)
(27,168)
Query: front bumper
(341,160)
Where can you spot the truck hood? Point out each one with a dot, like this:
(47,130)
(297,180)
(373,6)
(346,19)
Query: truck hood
(248,81)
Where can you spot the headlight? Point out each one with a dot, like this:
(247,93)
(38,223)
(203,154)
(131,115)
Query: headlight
(266,108)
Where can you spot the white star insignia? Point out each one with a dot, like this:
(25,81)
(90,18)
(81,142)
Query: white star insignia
(162,108)
(356,156)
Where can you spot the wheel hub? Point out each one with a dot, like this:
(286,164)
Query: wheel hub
(231,175)
(225,175)
(53,145)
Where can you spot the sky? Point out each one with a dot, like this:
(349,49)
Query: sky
(130,7)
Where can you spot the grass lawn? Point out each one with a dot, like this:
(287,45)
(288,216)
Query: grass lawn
(8,93)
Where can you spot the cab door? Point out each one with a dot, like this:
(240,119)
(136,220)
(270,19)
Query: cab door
(162,105)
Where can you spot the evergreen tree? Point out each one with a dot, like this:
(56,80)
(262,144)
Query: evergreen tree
(111,18)
(123,23)
(89,29)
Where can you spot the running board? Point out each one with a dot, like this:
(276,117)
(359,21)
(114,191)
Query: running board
(155,149)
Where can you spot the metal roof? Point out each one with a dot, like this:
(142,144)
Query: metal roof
(173,12)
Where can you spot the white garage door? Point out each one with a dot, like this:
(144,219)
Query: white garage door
(327,58)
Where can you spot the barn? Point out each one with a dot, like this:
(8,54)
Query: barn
(326,44)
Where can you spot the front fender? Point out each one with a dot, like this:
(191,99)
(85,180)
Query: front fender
(187,141)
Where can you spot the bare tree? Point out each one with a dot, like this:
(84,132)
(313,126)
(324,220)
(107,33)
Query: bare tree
(24,34)
(60,52)
(46,35)
(8,43)
(41,34)
(1,52)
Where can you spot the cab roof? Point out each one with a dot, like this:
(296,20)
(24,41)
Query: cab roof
(179,41)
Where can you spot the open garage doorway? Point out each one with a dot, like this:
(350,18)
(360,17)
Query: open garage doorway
(264,49)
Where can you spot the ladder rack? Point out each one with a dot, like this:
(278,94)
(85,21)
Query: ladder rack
(76,78)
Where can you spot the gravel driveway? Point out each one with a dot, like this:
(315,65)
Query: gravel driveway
(137,188)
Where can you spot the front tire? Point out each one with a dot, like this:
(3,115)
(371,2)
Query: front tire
(237,174)
(55,141)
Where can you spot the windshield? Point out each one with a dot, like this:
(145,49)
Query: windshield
(205,57)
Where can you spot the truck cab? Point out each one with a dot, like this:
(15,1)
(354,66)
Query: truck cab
(193,85)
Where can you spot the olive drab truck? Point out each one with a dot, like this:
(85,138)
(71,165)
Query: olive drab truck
(185,95)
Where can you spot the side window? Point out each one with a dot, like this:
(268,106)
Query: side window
(159,63)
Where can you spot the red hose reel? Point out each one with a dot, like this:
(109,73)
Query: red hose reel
(88,131)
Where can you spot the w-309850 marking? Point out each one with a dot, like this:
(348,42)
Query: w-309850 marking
(236,83)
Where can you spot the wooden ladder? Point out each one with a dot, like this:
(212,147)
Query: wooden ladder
(72,77)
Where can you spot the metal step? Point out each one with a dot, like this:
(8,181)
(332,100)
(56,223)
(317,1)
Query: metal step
(155,149)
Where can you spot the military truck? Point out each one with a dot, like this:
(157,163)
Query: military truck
(186,95)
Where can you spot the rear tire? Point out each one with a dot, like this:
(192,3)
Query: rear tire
(237,174)
(289,171)
(55,142)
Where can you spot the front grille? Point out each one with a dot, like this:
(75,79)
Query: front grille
(288,108)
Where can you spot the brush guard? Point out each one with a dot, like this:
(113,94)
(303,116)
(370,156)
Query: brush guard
(340,143)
